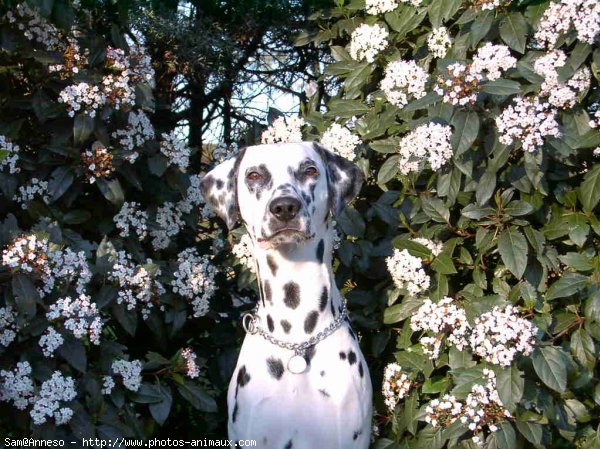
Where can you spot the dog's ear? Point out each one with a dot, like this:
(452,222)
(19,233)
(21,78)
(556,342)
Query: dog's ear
(219,189)
(344,179)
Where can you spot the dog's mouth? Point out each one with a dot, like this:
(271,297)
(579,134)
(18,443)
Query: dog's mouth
(284,236)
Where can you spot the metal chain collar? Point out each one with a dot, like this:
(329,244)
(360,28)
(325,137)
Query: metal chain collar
(250,323)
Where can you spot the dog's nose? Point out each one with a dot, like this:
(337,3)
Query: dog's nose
(284,208)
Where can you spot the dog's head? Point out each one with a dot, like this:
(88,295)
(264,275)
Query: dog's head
(282,192)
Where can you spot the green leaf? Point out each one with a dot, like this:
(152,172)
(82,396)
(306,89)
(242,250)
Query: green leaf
(510,385)
(513,250)
(567,285)
(513,31)
(61,180)
(389,169)
(485,187)
(501,87)
(197,397)
(74,353)
(435,209)
(400,312)
(160,410)
(26,295)
(518,208)
(404,19)
(83,126)
(466,130)
(583,348)
(476,212)
(530,430)
(346,108)
(443,264)
(505,437)
(112,191)
(589,191)
(481,26)
(551,367)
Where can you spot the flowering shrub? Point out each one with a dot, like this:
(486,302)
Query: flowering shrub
(470,258)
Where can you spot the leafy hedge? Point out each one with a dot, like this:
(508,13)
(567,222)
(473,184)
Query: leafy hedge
(517,221)
(159,291)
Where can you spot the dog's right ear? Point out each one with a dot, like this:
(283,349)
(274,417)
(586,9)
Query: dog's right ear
(219,189)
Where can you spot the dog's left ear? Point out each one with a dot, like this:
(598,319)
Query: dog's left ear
(219,189)
(344,179)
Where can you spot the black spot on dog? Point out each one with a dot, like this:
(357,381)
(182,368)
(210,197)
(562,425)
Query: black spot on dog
(311,321)
(320,250)
(235,412)
(323,299)
(307,198)
(288,445)
(324,393)
(332,308)
(291,297)
(356,434)
(207,184)
(220,184)
(322,373)
(270,323)
(286,325)
(351,357)
(268,292)
(272,264)
(275,367)
(309,354)
(361,371)
(342,355)
(243,377)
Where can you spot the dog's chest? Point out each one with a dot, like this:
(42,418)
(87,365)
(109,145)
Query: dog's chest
(328,405)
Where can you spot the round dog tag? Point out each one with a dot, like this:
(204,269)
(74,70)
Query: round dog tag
(296,364)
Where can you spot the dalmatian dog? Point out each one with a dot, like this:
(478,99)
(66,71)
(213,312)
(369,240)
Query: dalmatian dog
(319,397)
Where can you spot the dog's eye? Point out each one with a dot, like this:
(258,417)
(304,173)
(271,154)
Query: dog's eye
(311,171)
(253,176)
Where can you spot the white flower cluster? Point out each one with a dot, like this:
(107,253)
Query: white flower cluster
(108,384)
(195,279)
(176,150)
(50,341)
(459,85)
(68,267)
(29,254)
(137,287)
(483,407)
(407,272)
(10,160)
(35,27)
(562,15)
(47,402)
(491,60)
(380,6)
(341,141)
(8,325)
(560,95)
(367,41)
(403,80)
(499,335)
(439,42)
(396,385)
(140,65)
(80,316)
(73,60)
(284,130)
(193,198)
(595,121)
(17,386)
(490,5)
(35,188)
(139,130)
(131,372)
(244,251)
(529,120)
(168,224)
(435,247)
(427,144)
(191,367)
(82,97)
(413,2)
(131,218)
(443,412)
(222,152)
(116,59)
(441,319)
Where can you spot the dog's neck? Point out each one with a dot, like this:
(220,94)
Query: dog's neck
(299,295)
